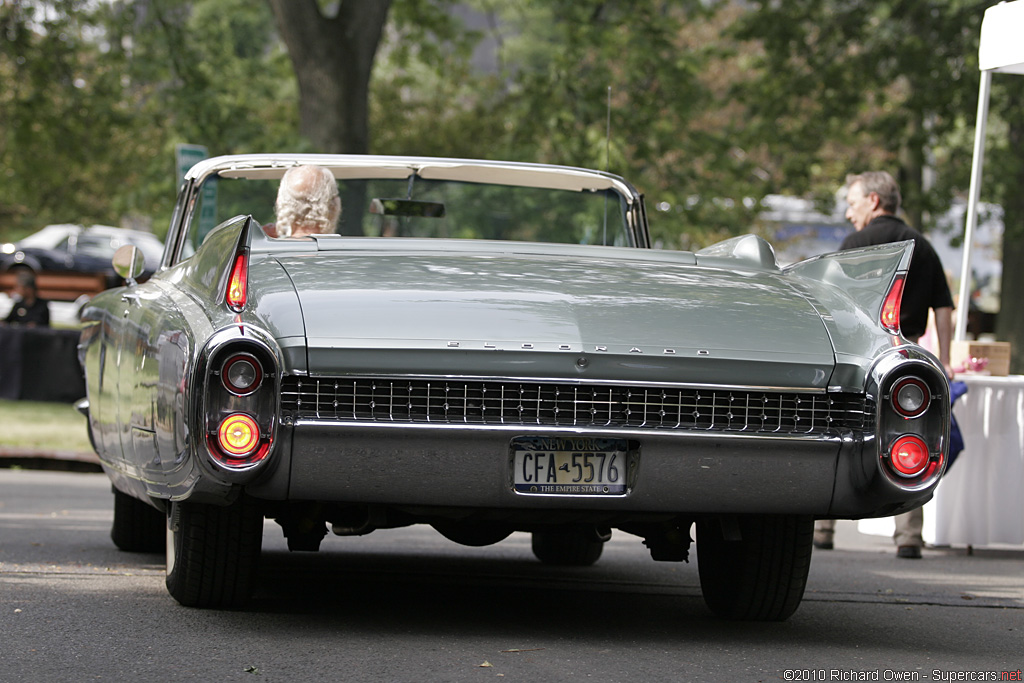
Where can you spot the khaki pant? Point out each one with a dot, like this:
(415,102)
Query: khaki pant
(824,530)
(908,529)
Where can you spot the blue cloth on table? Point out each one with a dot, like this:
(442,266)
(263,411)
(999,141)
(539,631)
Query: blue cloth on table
(956,439)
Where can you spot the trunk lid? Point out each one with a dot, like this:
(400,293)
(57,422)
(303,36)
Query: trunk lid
(533,302)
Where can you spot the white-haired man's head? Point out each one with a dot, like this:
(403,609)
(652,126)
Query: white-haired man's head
(307,202)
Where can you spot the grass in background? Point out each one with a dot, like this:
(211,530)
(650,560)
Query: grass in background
(42,426)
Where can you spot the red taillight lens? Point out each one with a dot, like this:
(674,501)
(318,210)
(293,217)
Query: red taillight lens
(909,456)
(241,374)
(910,397)
(238,284)
(890,315)
(239,435)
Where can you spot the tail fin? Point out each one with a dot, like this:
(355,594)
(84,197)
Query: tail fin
(870,277)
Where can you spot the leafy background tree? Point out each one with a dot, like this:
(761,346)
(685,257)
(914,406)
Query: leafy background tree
(857,86)
(209,72)
(711,105)
(67,125)
(621,85)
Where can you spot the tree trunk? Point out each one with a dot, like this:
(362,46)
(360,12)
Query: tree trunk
(333,60)
(911,175)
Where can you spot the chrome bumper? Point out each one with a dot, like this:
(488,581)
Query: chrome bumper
(469,467)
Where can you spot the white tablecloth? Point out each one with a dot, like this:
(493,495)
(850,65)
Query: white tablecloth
(980,501)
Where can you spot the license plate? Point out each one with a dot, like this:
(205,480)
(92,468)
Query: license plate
(571,466)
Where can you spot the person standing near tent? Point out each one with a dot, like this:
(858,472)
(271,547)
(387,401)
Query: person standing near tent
(872,199)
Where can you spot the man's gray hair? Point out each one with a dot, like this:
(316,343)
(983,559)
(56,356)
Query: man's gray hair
(882,184)
(308,195)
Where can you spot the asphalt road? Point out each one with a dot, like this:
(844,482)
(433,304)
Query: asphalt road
(408,605)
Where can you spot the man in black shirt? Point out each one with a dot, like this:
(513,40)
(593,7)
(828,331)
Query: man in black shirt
(873,199)
(28,309)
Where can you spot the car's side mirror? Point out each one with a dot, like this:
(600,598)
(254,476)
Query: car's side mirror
(128,262)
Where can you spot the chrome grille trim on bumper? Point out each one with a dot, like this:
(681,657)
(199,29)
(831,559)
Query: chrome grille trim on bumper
(531,403)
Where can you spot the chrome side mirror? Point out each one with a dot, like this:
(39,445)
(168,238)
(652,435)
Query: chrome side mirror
(128,262)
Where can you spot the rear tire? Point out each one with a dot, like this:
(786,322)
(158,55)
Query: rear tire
(567,547)
(761,576)
(138,527)
(213,553)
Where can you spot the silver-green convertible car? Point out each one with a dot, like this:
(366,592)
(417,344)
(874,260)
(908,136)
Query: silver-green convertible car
(491,347)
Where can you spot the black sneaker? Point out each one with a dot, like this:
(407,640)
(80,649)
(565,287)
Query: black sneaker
(909,552)
(823,545)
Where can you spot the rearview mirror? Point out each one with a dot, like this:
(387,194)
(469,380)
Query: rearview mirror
(128,262)
(407,207)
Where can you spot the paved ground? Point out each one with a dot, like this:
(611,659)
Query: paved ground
(408,605)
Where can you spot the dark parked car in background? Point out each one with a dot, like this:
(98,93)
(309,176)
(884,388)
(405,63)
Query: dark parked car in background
(71,260)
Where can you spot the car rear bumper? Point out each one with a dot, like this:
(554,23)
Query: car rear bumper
(682,473)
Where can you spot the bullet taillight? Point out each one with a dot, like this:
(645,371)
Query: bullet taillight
(238,436)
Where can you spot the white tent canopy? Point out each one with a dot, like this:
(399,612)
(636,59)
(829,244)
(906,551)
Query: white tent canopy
(1001,50)
(1002,47)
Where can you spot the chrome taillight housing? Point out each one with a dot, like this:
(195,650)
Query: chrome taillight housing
(240,398)
(913,419)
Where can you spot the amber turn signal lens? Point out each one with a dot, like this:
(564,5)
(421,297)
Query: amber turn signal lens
(239,435)
(909,456)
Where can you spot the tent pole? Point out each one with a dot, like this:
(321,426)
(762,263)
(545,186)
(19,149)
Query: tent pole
(964,298)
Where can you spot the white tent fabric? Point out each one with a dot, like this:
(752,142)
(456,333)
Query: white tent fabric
(1001,50)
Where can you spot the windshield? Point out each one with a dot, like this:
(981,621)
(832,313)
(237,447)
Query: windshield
(434,209)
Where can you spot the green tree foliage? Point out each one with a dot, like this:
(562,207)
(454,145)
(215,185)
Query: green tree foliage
(840,87)
(617,85)
(710,104)
(573,72)
(217,71)
(208,72)
(427,98)
(95,96)
(68,133)
(843,87)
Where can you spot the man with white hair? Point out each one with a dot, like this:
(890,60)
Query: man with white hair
(307,202)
